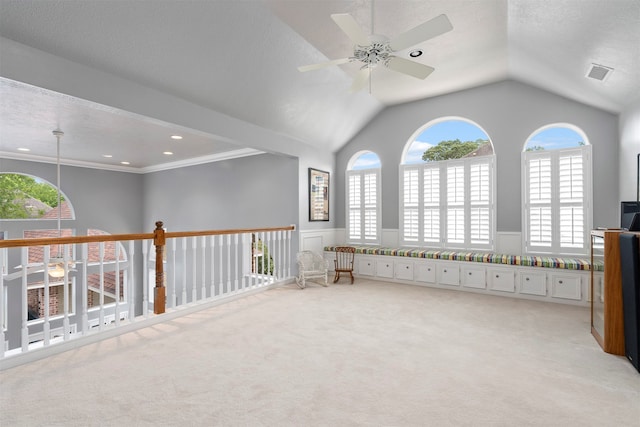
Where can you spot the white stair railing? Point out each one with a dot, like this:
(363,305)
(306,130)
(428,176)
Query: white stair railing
(97,294)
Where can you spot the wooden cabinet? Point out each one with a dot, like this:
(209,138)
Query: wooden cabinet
(607,322)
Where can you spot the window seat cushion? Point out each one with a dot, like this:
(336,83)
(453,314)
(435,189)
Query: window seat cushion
(484,257)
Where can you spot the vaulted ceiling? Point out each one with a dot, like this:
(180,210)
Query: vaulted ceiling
(240,58)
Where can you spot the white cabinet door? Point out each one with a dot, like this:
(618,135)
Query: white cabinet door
(533,283)
(404,270)
(384,269)
(449,274)
(501,279)
(425,271)
(366,266)
(566,286)
(473,277)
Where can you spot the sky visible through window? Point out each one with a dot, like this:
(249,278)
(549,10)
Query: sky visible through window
(368,160)
(442,131)
(555,138)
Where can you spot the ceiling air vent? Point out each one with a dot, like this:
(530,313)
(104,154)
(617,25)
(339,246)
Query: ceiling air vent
(599,72)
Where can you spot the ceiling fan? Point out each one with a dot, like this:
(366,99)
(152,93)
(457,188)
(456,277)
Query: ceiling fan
(376,49)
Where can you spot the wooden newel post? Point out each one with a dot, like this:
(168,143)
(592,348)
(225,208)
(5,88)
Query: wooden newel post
(159,300)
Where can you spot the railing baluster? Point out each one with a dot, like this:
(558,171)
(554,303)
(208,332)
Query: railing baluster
(84,250)
(117,277)
(66,323)
(132,287)
(46,328)
(101,246)
(235,255)
(146,259)
(184,270)
(25,296)
(213,250)
(220,264)
(174,298)
(229,289)
(203,245)
(194,278)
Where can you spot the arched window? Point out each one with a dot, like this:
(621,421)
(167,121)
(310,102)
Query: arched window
(447,186)
(363,198)
(27,197)
(556,177)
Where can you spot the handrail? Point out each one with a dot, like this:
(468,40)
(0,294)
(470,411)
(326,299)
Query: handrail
(16,243)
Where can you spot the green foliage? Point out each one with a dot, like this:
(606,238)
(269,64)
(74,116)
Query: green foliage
(258,247)
(451,149)
(535,148)
(17,189)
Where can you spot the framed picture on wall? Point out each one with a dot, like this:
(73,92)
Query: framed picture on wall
(318,195)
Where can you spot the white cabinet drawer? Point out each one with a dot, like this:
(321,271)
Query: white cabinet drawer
(384,269)
(565,286)
(533,283)
(366,267)
(425,272)
(501,279)
(449,274)
(404,270)
(473,277)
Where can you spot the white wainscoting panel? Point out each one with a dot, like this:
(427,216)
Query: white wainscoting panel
(509,242)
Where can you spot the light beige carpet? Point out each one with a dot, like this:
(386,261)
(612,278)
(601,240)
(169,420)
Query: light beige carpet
(371,354)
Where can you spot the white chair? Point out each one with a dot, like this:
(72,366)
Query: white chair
(311,266)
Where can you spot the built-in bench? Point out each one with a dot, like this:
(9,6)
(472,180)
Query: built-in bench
(491,258)
(523,276)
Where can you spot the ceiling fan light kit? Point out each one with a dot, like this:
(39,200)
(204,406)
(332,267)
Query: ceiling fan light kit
(375,49)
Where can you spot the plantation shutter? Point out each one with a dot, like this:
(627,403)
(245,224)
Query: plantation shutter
(354,198)
(556,200)
(455,204)
(370,205)
(571,200)
(540,219)
(363,206)
(410,214)
(480,203)
(431,204)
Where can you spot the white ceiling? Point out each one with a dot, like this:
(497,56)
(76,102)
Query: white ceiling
(240,58)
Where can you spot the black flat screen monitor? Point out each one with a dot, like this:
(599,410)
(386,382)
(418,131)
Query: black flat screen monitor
(628,211)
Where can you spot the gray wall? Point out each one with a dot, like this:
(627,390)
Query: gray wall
(250,192)
(509,112)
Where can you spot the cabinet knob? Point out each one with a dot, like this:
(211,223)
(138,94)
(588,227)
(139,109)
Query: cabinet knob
(527,279)
(469,273)
(445,270)
(429,269)
(407,267)
(560,281)
(497,276)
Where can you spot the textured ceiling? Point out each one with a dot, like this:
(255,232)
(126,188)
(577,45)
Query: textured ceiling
(240,58)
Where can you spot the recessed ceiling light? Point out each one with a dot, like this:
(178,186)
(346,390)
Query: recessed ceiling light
(167,153)
(24,149)
(415,53)
(176,137)
(125,163)
(108,156)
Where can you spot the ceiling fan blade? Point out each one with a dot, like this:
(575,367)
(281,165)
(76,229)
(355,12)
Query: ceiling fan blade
(425,31)
(415,69)
(351,28)
(361,79)
(323,64)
